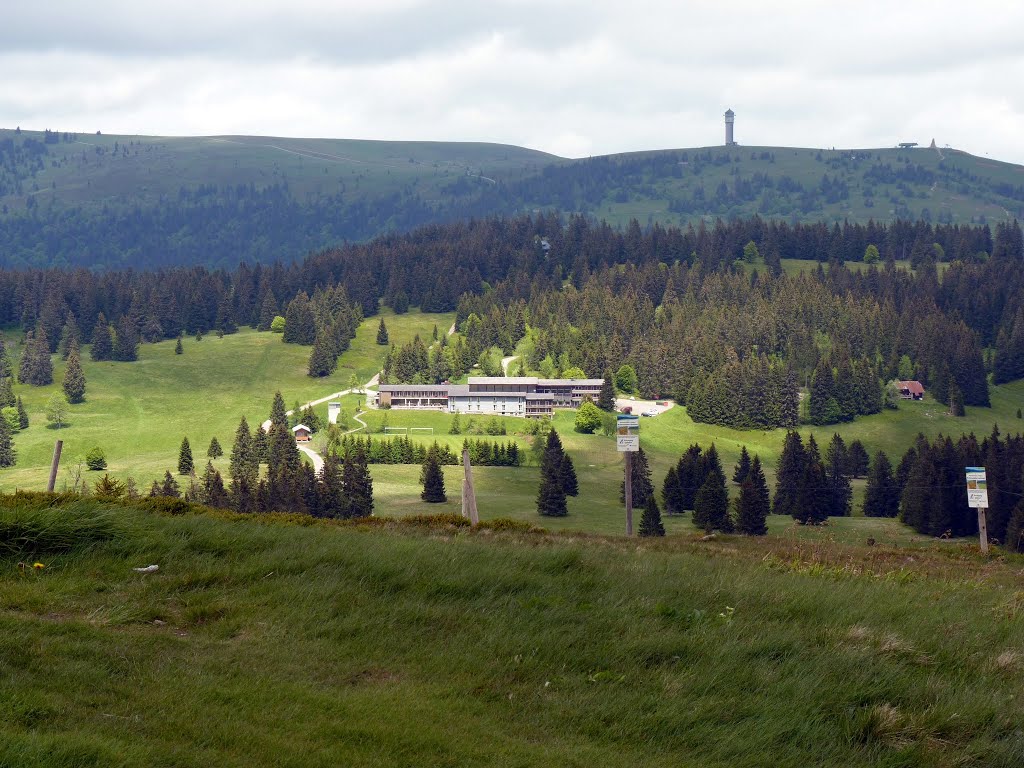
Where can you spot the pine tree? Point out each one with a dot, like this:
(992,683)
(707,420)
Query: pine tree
(857,459)
(102,345)
(382,333)
(169,487)
(225,322)
(743,467)
(178,349)
(126,343)
(789,475)
(840,493)
(640,477)
(331,492)
(1015,529)
(22,415)
(7,453)
(36,366)
(671,492)
(214,451)
(567,475)
(74,378)
(5,362)
(711,505)
(243,460)
(357,485)
(300,323)
(268,311)
(70,337)
(650,520)
(551,495)
(432,478)
(881,497)
(185,463)
(261,446)
(814,495)
(278,413)
(753,506)
(6,392)
(606,400)
(321,360)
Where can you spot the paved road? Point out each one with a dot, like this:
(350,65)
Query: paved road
(318,461)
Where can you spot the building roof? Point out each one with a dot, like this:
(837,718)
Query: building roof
(913,387)
(503,380)
(572,382)
(297,427)
(540,396)
(458,389)
(413,387)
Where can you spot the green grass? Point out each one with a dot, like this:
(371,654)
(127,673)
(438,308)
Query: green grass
(139,412)
(283,645)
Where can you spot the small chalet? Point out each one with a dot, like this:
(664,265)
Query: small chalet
(303,434)
(911,390)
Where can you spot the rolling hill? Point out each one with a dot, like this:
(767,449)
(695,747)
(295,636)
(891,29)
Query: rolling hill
(103,201)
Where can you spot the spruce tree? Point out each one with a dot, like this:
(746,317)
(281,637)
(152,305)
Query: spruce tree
(74,378)
(551,495)
(268,311)
(7,392)
(753,505)
(36,366)
(7,453)
(432,478)
(814,495)
(300,322)
(243,459)
(70,337)
(382,333)
(214,451)
(881,497)
(606,399)
(331,492)
(185,463)
(743,467)
(650,519)
(789,475)
(261,446)
(22,415)
(857,459)
(102,345)
(840,493)
(357,485)
(225,321)
(169,487)
(567,475)
(321,360)
(5,361)
(640,476)
(278,413)
(126,343)
(178,349)
(711,505)
(671,492)
(1015,529)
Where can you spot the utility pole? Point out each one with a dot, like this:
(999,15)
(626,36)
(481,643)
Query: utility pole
(977,497)
(468,491)
(629,494)
(57,448)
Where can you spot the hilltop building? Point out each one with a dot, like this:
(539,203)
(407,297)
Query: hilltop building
(492,395)
(730,118)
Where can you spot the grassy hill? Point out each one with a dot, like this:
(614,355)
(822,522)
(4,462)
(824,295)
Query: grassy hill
(91,200)
(264,643)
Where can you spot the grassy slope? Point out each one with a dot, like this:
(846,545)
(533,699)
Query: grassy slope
(276,645)
(139,412)
(89,172)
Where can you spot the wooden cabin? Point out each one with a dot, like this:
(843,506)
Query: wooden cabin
(911,390)
(303,434)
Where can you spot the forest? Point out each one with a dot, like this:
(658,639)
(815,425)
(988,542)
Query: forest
(698,313)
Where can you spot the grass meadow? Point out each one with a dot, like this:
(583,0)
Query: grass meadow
(266,643)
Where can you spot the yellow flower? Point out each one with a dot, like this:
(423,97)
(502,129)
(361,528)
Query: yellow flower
(38,566)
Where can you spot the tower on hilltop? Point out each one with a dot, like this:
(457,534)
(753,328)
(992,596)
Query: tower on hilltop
(730,118)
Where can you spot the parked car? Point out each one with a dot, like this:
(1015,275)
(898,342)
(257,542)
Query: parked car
(649,413)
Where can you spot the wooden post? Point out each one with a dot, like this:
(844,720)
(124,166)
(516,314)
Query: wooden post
(474,515)
(983,530)
(629,493)
(465,497)
(57,448)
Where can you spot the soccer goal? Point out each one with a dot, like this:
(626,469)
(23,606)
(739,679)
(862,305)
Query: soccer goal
(396,430)
(424,430)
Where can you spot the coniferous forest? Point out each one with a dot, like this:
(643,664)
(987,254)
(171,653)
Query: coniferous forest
(681,307)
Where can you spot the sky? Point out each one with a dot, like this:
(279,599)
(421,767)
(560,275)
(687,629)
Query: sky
(574,77)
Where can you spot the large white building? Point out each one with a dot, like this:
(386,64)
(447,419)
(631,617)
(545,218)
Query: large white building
(492,395)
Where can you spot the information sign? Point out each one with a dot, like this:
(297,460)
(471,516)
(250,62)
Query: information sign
(977,488)
(627,433)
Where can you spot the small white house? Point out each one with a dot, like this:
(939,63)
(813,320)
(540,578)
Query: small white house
(303,434)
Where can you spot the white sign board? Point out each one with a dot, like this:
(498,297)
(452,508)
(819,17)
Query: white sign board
(977,488)
(627,433)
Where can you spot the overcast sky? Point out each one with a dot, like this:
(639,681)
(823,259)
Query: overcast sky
(573,77)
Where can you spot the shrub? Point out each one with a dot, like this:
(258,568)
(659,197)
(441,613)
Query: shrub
(96,459)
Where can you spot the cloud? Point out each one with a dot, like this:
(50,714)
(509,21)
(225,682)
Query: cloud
(574,78)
